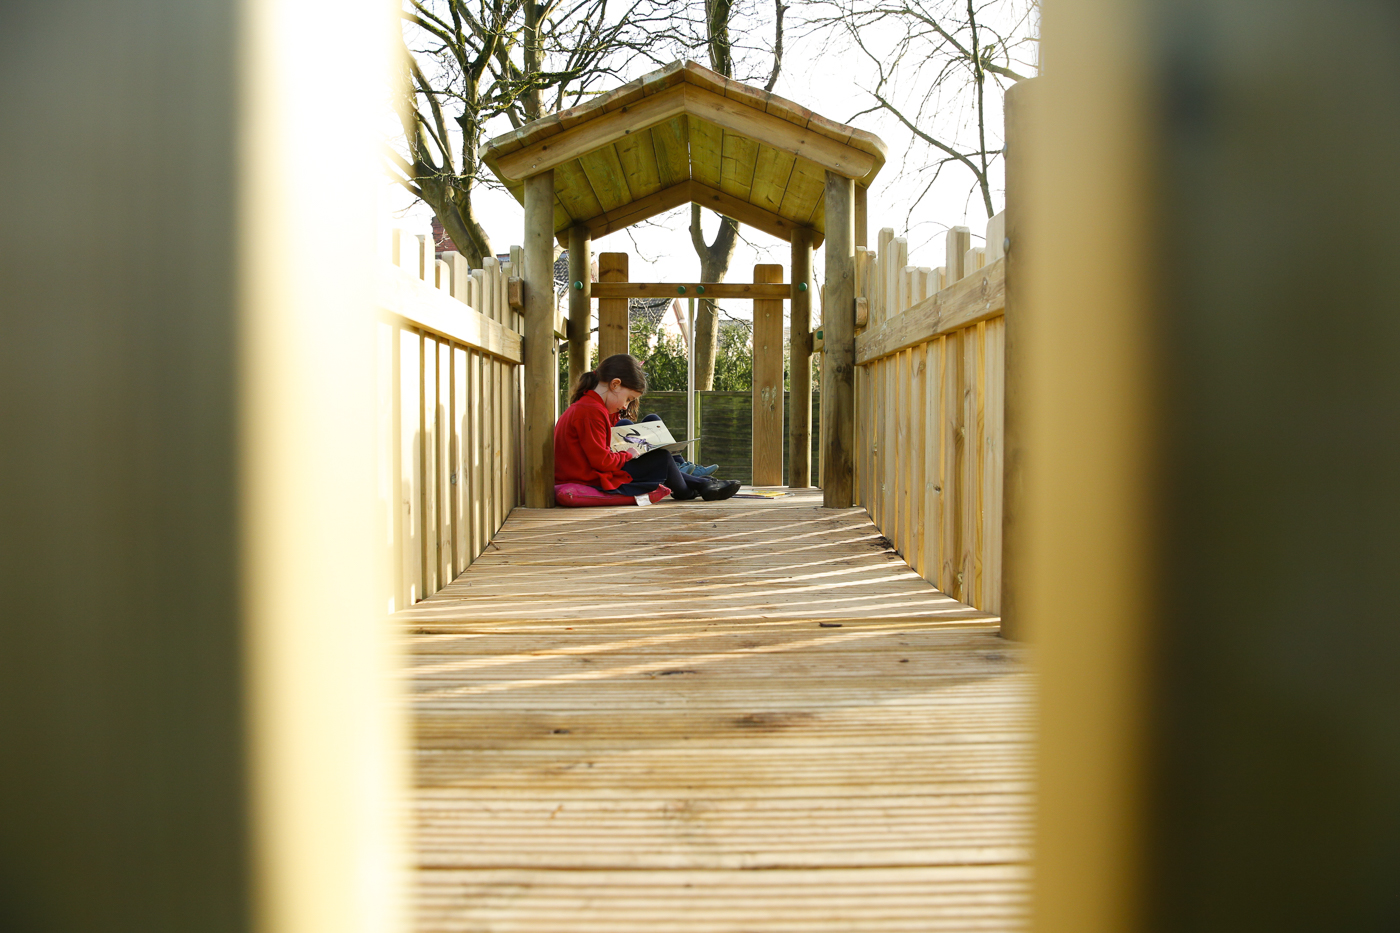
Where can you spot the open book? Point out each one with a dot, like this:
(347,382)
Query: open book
(648,435)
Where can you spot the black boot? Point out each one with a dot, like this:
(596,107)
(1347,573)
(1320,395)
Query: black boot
(714,490)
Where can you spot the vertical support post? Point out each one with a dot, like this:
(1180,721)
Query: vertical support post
(580,301)
(612,312)
(1014,366)
(541,368)
(862,218)
(839,343)
(767,445)
(800,362)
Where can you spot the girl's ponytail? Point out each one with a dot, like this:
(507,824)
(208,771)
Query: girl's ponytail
(618,366)
(586,383)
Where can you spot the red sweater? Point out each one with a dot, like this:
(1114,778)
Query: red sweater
(583,446)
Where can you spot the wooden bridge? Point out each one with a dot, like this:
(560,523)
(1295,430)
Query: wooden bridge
(751,715)
(738,716)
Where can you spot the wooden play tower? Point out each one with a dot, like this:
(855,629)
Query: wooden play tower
(679,135)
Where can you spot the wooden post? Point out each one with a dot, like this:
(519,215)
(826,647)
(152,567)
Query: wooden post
(767,445)
(612,312)
(1014,365)
(862,218)
(541,367)
(839,343)
(580,302)
(196,667)
(800,362)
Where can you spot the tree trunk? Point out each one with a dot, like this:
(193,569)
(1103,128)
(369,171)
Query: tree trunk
(714,265)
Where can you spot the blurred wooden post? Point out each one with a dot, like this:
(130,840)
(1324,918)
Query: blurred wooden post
(800,362)
(580,302)
(196,712)
(1016,104)
(839,343)
(541,365)
(612,312)
(767,437)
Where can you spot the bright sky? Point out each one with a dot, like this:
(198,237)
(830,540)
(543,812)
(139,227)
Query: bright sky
(661,251)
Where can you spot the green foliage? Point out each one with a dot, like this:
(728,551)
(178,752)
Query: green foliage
(733,357)
(662,354)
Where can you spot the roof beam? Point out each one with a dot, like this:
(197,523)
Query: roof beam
(746,213)
(684,193)
(730,115)
(594,134)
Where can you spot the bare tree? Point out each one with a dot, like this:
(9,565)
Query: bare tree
(467,62)
(716,256)
(931,62)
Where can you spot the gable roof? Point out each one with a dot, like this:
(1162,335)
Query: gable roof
(680,134)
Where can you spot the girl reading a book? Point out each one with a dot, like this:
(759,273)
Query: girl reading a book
(583,440)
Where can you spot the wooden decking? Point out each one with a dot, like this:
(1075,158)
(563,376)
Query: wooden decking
(748,716)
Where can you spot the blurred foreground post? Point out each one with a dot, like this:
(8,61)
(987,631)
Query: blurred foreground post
(1211,463)
(194,708)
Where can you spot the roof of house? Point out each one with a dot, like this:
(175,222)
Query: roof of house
(685,134)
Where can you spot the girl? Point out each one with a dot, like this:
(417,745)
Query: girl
(583,440)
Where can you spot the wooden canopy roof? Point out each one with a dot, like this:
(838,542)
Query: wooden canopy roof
(680,134)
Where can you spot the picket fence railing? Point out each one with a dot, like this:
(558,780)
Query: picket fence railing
(930,377)
(448,396)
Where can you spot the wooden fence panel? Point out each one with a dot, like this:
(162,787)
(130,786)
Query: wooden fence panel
(449,415)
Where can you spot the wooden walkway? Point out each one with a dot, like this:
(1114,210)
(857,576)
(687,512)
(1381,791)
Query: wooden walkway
(746,716)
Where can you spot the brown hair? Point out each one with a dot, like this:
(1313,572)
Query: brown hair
(621,366)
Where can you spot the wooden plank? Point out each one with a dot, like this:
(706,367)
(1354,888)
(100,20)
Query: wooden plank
(401,469)
(460,477)
(605,175)
(970,490)
(889,509)
(443,466)
(671,145)
(575,191)
(768,429)
(976,298)
(879,306)
(706,151)
(918,425)
(430,309)
(800,362)
(637,156)
(956,243)
(805,189)
(480,533)
(953,460)
(612,312)
(772,170)
(993,464)
(744,290)
(427,461)
(933,461)
(738,157)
